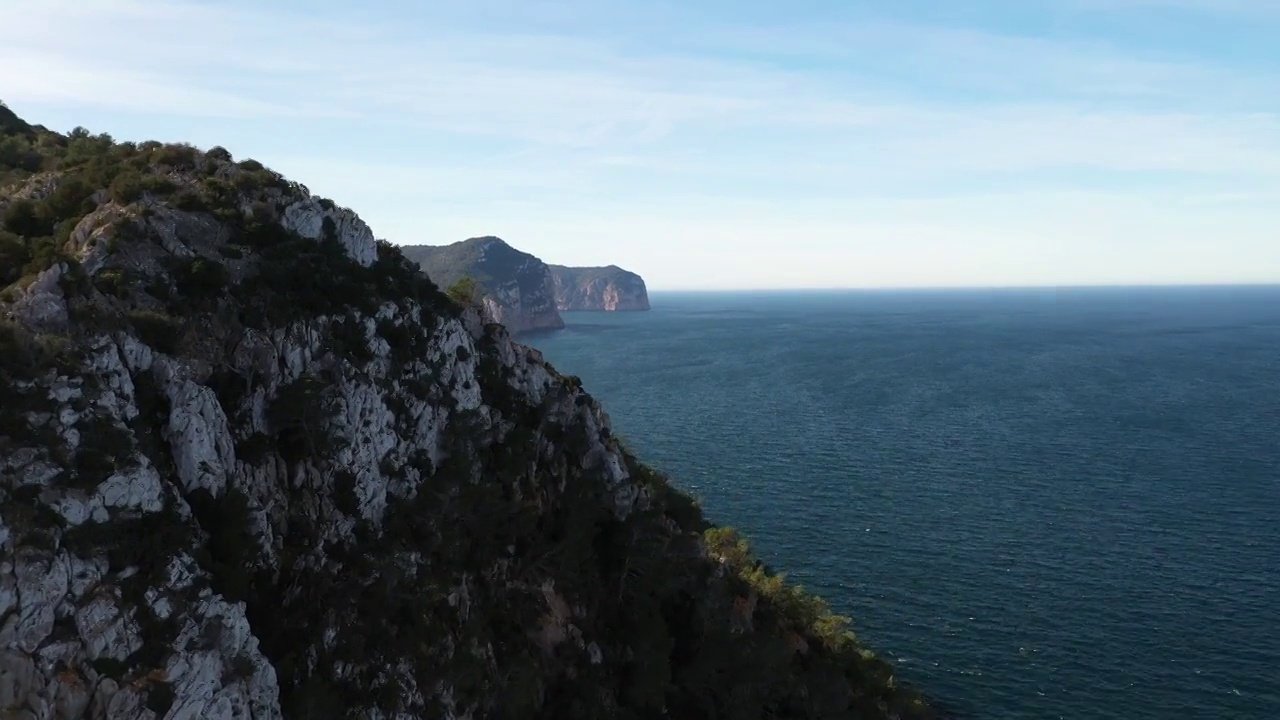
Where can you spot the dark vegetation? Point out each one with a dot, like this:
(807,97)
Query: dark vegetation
(465,291)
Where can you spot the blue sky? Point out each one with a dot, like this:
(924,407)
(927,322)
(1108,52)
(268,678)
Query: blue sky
(716,144)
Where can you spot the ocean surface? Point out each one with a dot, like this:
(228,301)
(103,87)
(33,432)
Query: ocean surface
(1037,503)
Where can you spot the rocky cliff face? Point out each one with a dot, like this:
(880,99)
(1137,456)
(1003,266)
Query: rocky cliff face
(517,288)
(604,288)
(253,464)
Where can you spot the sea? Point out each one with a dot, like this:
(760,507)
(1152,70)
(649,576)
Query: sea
(1046,503)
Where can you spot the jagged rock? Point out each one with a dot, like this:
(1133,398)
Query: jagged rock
(107,630)
(19,679)
(41,306)
(307,217)
(199,436)
(41,583)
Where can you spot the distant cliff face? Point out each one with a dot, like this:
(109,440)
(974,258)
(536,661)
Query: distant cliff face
(598,288)
(517,287)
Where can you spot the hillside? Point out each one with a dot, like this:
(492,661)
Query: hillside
(254,464)
(598,288)
(517,289)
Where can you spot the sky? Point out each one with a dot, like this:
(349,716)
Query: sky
(708,144)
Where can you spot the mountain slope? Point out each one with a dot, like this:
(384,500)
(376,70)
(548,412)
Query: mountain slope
(598,288)
(517,287)
(253,464)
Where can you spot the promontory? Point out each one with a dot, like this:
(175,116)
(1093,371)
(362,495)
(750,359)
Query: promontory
(255,465)
(598,288)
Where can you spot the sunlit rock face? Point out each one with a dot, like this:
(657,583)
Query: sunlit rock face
(605,288)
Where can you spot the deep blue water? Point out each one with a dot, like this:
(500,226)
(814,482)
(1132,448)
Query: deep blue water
(1040,504)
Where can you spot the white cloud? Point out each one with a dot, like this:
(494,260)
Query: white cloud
(591,148)
(1266,9)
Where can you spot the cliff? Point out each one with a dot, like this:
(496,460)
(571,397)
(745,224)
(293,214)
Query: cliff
(598,288)
(254,464)
(517,288)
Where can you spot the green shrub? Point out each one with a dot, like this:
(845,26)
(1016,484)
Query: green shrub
(232,549)
(254,449)
(405,340)
(299,415)
(349,340)
(21,217)
(104,446)
(241,667)
(110,667)
(21,353)
(83,148)
(126,188)
(16,153)
(70,199)
(62,231)
(148,542)
(160,697)
(248,182)
(220,194)
(13,257)
(159,287)
(201,279)
(218,153)
(189,201)
(157,329)
(175,156)
(157,184)
(130,184)
(112,281)
(43,253)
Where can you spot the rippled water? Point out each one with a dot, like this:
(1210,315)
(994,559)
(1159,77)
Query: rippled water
(1041,504)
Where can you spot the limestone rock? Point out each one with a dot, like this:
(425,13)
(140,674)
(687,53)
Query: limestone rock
(598,288)
(307,217)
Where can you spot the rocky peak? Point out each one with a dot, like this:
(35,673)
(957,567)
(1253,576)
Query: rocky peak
(517,288)
(253,464)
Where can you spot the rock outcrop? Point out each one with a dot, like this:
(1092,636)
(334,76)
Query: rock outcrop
(598,288)
(517,288)
(255,466)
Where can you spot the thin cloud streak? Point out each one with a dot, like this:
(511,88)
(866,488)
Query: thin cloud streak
(881,134)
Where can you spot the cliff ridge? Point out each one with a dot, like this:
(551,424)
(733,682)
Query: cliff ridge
(607,288)
(517,288)
(255,465)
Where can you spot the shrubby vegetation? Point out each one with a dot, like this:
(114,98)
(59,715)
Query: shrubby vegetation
(75,173)
(465,291)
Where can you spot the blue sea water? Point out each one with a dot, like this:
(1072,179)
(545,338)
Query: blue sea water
(1037,503)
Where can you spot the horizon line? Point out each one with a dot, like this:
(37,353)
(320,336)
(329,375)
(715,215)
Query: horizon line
(938,288)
